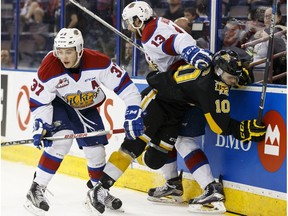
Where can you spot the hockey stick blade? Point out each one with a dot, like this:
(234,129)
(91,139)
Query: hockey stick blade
(67,136)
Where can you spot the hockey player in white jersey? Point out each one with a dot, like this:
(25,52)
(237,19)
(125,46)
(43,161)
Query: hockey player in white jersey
(65,94)
(167,47)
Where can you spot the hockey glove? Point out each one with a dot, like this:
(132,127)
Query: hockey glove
(245,78)
(133,124)
(199,58)
(40,129)
(251,131)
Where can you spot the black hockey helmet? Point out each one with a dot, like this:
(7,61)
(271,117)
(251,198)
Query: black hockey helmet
(228,61)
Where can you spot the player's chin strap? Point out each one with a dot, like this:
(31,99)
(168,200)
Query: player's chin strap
(78,58)
(139,28)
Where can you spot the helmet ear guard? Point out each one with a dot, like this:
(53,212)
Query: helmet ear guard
(227,61)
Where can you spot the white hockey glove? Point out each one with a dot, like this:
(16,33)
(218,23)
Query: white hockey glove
(199,58)
(133,124)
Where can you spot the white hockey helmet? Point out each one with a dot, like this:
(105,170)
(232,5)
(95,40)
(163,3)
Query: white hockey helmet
(67,38)
(139,9)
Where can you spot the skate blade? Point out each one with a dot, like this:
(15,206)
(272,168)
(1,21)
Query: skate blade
(91,210)
(116,211)
(215,208)
(108,211)
(166,200)
(33,209)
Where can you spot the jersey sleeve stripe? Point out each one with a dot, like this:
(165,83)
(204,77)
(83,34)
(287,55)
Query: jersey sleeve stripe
(125,81)
(213,125)
(34,104)
(168,47)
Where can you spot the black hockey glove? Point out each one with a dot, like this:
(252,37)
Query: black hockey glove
(245,78)
(250,131)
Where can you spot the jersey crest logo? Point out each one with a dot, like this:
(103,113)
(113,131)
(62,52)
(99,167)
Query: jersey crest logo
(62,83)
(221,87)
(81,99)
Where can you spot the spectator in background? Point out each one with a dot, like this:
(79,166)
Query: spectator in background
(233,31)
(74,17)
(202,10)
(175,10)
(233,37)
(200,25)
(253,21)
(99,37)
(190,13)
(127,61)
(6,61)
(32,12)
(280,44)
(49,16)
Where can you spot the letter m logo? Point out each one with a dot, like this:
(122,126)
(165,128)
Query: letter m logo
(272,141)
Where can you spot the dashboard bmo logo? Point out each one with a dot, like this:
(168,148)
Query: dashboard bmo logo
(272,151)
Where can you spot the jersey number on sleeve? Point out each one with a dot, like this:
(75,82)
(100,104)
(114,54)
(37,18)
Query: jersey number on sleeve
(38,87)
(118,72)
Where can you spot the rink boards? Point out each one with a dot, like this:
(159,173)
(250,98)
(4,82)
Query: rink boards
(254,174)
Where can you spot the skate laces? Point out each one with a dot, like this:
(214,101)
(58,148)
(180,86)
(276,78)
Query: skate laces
(109,199)
(40,193)
(102,194)
(165,187)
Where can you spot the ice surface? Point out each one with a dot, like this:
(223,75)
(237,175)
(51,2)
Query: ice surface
(69,194)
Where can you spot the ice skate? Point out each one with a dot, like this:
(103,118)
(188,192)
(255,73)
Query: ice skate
(98,198)
(37,203)
(171,192)
(210,202)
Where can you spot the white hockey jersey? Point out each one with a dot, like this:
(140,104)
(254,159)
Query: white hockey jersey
(164,42)
(81,90)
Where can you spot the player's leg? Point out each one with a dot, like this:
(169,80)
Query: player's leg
(189,148)
(189,127)
(49,163)
(120,160)
(160,142)
(172,190)
(94,151)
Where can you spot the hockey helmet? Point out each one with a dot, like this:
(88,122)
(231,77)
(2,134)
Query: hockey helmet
(67,38)
(228,61)
(139,9)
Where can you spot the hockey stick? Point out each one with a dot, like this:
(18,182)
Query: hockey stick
(268,65)
(67,136)
(107,25)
